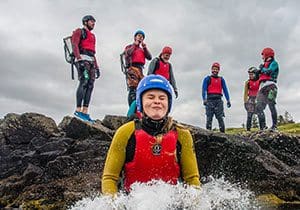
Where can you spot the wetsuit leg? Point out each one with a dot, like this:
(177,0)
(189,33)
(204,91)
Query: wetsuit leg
(209,114)
(131,95)
(272,94)
(261,115)
(81,89)
(273,114)
(249,120)
(219,112)
(260,107)
(88,92)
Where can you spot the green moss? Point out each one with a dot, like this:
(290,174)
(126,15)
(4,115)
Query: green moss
(270,200)
(42,204)
(292,128)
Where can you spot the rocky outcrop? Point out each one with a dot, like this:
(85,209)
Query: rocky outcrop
(52,166)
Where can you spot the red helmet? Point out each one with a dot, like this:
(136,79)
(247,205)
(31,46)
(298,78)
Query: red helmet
(215,64)
(167,50)
(267,52)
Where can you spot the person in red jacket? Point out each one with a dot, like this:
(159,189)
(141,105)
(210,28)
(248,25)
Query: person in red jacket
(135,57)
(163,67)
(267,93)
(213,87)
(84,48)
(250,92)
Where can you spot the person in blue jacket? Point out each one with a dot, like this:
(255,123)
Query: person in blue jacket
(213,88)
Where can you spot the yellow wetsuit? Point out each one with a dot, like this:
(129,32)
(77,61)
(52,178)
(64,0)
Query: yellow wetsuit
(117,153)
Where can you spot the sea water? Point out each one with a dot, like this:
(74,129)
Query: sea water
(215,194)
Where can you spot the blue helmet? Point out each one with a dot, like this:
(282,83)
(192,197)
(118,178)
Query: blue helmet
(140,32)
(153,81)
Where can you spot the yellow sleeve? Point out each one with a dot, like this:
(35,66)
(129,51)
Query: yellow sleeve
(246,92)
(116,158)
(188,161)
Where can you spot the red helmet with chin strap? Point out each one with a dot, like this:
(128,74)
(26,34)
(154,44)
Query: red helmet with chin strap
(216,64)
(167,50)
(267,52)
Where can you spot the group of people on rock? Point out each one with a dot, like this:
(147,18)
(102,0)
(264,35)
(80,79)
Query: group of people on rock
(151,145)
(260,89)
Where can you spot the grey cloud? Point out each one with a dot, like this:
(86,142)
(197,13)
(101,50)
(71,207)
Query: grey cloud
(34,76)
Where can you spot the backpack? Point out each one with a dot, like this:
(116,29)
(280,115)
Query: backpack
(68,49)
(123,62)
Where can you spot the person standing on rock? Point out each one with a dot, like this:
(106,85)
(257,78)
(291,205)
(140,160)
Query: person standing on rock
(135,58)
(84,48)
(268,89)
(151,148)
(250,92)
(212,88)
(163,67)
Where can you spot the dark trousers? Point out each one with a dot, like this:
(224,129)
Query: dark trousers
(262,117)
(249,120)
(215,107)
(86,85)
(267,96)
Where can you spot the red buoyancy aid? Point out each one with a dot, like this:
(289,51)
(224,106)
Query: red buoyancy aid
(215,85)
(163,70)
(147,166)
(138,56)
(89,43)
(263,76)
(253,86)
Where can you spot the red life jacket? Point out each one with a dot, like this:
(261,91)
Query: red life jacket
(253,86)
(138,56)
(215,85)
(163,69)
(89,43)
(147,166)
(263,76)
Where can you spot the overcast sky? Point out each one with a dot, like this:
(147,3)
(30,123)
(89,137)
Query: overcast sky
(36,78)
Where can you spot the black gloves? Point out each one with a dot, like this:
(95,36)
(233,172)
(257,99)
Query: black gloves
(228,104)
(97,73)
(176,93)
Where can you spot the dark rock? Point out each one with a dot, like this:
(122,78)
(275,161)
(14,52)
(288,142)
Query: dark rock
(44,166)
(77,129)
(37,142)
(61,167)
(20,129)
(113,122)
(31,173)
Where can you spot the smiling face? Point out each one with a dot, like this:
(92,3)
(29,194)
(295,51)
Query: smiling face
(251,75)
(165,57)
(215,70)
(139,38)
(90,24)
(155,104)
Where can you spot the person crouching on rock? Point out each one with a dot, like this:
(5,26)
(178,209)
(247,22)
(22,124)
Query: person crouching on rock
(151,148)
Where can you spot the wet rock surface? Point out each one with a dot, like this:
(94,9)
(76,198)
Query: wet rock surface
(52,166)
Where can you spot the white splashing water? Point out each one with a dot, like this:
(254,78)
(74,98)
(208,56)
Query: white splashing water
(215,194)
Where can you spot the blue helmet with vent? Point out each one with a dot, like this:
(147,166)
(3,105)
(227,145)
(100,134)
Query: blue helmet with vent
(153,82)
